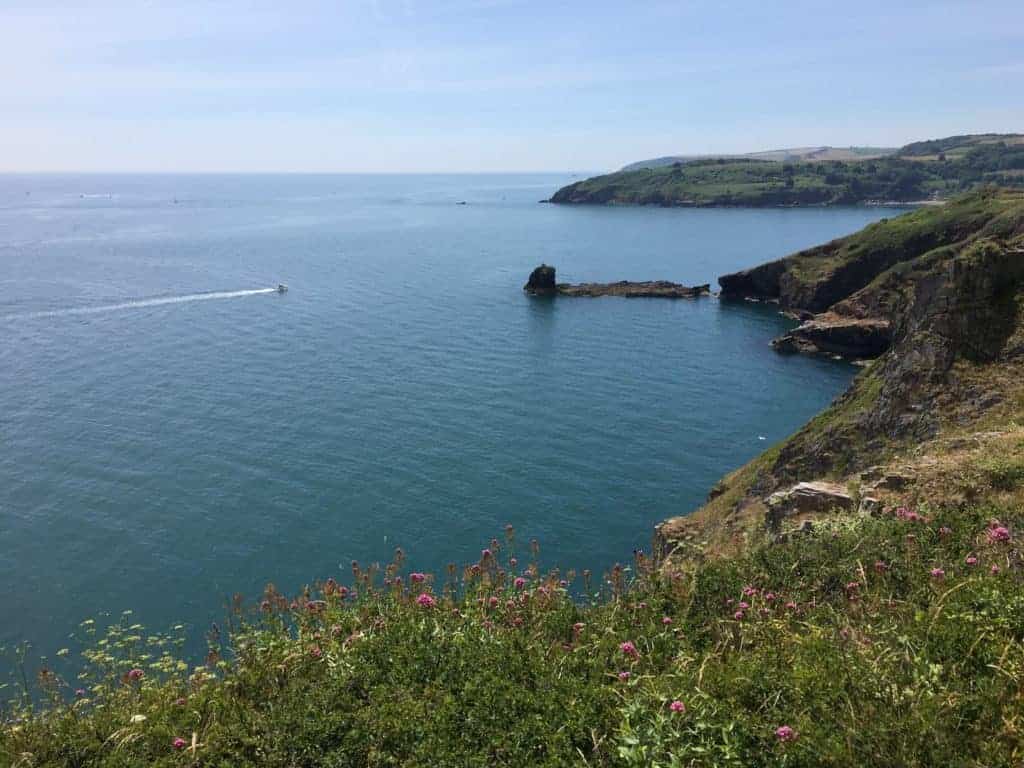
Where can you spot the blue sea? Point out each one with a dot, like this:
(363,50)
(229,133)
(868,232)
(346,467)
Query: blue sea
(172,432)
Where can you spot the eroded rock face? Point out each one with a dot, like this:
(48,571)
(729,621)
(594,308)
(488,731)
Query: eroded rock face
(818,496)
(541,281)
(831,334)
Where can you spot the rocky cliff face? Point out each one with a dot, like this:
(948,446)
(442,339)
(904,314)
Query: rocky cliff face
(851,291)
(952,362)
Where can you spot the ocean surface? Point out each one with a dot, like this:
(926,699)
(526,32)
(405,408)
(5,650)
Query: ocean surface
(172,432)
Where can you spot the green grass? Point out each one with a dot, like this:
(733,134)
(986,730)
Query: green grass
(869,665)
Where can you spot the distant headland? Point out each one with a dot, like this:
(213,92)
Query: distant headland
(921,172)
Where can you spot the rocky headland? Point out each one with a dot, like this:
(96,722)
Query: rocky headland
(935,299)
(542,283)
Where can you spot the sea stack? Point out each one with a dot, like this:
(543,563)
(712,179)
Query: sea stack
(541,282)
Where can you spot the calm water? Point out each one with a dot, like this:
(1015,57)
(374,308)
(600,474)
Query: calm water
(160,455)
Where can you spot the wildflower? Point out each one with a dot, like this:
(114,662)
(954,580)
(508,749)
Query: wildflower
(743,605)
(520,582)
(999,533)
(749,591)
(881,566)
(769,596)
(945,530)
(426,600)
(475,569)
(136,674)
(343,592)
(623,677)
(179,743)
(994,570)
(677,706)
(181,702)
(492,601)
(791,605)
(265,606)
(80,692)
(578,627)
(514,562)
(666,620)
(642,606)
(971,560)
(315,652)
(417,578)
(484,554)
(785,733)
(729,601)
(852,586)
(738,615)
(629,649)
(938,573)
(563,583)
(518,621)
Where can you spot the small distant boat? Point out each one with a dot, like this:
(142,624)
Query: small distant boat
(281,287)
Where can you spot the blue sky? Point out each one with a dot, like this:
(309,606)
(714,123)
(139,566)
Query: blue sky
(481,85)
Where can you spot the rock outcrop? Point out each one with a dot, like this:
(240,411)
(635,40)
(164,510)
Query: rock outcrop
(542,283)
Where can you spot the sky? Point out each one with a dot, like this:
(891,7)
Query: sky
(489,85)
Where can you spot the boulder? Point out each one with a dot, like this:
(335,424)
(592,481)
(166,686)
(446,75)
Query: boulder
(813,497)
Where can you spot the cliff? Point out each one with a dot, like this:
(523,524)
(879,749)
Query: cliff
(938,296)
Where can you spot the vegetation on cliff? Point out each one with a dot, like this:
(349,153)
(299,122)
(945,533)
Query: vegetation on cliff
(872,641)
(939,168)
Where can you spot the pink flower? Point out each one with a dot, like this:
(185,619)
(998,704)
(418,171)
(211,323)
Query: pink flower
(945,530)
(738,615)
(666,620)
(417,578)
(999,533)
(785,733)
(881,567)
(578,627)
(485,554)
(426,600)
(623,677)
(677,706)
(315,652)
(629,649)
(769,596)
(937,573)
(181,702)
(563,583)
(994,569)
(520,582)
(971,560)
(492,601)
(744,605)
(513,561)
(853,585)
(791,605)
(135,674)
(179,743)
(475,569)
(749,591)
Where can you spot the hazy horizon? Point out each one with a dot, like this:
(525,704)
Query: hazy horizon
(477,86)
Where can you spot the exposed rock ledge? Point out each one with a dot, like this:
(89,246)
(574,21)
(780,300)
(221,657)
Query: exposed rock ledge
(832,334)
(542,283)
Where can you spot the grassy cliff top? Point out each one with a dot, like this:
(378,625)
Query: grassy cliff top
(931,169)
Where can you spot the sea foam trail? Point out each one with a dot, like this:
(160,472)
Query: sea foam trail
(140,303)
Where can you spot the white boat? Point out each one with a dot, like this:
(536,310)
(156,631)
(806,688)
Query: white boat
(281,287)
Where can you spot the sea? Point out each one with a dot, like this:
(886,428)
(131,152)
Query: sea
(175,431)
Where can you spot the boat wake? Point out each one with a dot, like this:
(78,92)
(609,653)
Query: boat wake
(140,303)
